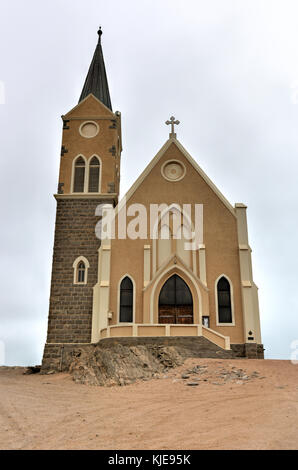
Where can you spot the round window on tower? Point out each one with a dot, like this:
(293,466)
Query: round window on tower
(89,129)
(173,170)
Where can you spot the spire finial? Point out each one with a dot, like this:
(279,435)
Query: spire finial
(96,81)
(99,32)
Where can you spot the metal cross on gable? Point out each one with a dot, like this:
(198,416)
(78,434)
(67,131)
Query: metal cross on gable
(173,123)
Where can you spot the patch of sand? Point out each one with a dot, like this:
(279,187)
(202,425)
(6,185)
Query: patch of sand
(53,412)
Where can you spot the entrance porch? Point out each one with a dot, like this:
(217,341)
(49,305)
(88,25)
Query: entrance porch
(165,330)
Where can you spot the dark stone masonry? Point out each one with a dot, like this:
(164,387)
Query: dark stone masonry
(70,313)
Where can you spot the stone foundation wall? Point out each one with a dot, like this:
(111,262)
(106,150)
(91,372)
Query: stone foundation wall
(58,357)
(249,350)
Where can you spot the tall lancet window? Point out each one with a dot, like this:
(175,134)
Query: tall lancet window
(224,301)
(80,267)
(126,300)
(81,272)
(79,176)
(94,169)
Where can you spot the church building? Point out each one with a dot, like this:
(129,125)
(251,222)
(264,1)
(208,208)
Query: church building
(175,261)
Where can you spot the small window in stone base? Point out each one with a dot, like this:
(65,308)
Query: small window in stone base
(81,272)
(80,267)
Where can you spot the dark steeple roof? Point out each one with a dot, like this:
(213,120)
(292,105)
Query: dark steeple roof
(96,81)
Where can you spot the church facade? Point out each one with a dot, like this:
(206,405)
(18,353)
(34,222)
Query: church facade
(170,260)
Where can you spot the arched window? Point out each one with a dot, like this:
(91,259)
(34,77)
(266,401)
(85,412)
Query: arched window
(224,301)
(79,176)
(94,169)
(81,272)
(126,300)
(80,267)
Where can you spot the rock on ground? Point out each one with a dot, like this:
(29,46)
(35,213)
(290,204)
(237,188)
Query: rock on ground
(122,365)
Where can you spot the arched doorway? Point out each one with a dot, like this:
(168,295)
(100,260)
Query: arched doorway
(175,303)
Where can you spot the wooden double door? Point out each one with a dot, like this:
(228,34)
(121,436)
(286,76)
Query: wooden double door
(175,302)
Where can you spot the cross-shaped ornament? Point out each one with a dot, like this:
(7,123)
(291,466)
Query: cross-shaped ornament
(172,122)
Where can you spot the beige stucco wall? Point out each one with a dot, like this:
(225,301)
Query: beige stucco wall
(220,239)
(90,110)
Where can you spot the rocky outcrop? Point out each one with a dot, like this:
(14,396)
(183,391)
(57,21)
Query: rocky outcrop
(154,354)
(122,365)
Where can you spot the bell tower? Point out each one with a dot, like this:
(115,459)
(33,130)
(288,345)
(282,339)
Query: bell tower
(91,129)
(89,175)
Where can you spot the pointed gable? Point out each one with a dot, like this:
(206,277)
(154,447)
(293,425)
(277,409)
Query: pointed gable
(89,106)
(165,151)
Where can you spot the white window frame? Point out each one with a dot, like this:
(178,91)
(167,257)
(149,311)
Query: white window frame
(86,176)
(75,270)
(88,136)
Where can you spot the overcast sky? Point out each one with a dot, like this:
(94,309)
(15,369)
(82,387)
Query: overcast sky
(228,70)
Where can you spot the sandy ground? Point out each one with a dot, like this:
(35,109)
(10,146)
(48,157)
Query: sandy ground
(53,412)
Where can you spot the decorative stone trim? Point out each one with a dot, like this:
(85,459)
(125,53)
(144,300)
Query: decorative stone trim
(173,170)
(202,264)
(251,319)
(147,264)
(65,123)
(86,196)
(112,150)
(63,150)
(114,124)
(60,186)
(92,123)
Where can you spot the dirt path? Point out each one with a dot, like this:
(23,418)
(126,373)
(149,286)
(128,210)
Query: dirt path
(52,412)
